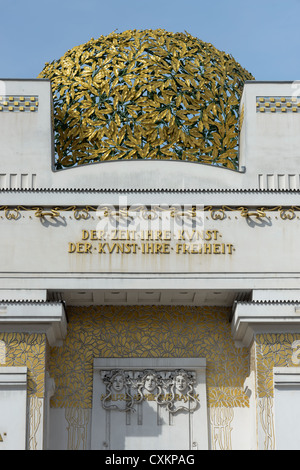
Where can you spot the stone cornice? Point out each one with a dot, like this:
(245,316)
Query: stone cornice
(146,191)
(255,317)
(216,197)
(34,316)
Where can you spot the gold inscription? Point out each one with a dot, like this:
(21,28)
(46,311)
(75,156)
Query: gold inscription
(151,242)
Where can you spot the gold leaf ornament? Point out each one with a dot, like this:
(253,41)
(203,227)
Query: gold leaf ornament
(147,81)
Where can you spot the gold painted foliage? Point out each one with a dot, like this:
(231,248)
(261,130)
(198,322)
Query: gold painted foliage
(22,349)
(272,350)
(146,94)
(148,332)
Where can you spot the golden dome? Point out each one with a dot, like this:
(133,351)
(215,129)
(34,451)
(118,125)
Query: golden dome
(146,95)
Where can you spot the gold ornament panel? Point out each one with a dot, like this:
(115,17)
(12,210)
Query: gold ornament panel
(272,350)
(30,350)
(148,94)
(148,331)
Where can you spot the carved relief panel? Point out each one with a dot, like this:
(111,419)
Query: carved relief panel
(149,404)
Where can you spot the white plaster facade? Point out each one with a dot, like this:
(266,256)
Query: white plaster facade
(254,269)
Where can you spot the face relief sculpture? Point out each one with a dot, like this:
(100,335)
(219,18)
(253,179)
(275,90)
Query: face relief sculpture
(118,394)
(181,383)
(150,383)
(118,383)
(175,391)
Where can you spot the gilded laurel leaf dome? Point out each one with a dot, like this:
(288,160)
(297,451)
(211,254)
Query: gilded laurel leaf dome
(146,95)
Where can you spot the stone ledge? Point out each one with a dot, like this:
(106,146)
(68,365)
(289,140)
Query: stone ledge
(35,316)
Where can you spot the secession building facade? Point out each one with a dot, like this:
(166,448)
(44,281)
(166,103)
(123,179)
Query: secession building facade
(149,298)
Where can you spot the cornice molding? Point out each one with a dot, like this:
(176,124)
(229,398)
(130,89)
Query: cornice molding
(267,316)
(34,316)
(149,190)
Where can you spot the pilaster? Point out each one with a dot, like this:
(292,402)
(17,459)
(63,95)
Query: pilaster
(271,331)
(27,329)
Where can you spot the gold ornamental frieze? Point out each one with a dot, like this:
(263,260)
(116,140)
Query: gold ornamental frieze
(277,104)
(163,238)
(148,331)
(18,103)
(146,212)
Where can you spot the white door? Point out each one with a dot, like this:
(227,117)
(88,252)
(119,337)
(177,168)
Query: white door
(149,404)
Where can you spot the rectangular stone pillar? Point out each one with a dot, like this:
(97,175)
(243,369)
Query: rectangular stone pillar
(13,408)
(271,330)
(27,329)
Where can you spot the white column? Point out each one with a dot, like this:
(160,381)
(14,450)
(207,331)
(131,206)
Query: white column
(270,328)
(24,413)
(13,407)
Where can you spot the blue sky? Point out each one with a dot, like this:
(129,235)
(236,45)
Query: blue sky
(262,35)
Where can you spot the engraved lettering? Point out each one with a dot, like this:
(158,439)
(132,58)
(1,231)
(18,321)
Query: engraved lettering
(151,242)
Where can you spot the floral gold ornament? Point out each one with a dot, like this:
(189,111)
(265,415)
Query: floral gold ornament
(258,213)
(22,349)
(12,214)
(189,213)
(148,331)
(148,212)
(116,214)
(81,214)
(217,214)
(51,213)
(272,350)
(287,214)
(146,94)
